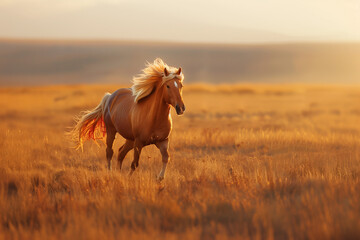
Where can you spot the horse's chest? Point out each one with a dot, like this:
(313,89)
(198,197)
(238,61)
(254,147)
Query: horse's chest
(160,135)
(154,130)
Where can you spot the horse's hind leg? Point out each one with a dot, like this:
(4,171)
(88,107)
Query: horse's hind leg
(137,150)
(124,149)
(110,137)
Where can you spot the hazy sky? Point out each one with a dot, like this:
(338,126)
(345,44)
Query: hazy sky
(186,20)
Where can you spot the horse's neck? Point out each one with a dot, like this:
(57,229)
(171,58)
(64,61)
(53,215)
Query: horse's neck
(159,109)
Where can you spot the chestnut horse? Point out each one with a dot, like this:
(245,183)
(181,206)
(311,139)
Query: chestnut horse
(141,114)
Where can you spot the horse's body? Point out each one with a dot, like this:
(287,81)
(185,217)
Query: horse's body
(141,115)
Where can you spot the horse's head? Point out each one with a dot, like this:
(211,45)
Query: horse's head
(173,90)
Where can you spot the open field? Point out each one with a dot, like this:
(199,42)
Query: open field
(250,161)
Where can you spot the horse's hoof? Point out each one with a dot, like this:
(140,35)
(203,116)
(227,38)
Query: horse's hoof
(159,178)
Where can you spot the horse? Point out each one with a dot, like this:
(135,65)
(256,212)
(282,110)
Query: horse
(140,114)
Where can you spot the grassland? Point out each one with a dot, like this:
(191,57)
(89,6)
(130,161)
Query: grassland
(247,161)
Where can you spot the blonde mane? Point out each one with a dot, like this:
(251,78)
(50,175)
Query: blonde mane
(144,83)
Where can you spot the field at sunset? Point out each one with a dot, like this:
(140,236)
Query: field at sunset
(268,146)
(249,161)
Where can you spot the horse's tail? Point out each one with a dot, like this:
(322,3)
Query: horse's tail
(90,124)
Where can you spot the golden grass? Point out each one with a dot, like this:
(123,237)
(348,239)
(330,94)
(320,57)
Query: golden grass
(247,161)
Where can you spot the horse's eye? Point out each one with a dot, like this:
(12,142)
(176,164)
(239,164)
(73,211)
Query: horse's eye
(167,86)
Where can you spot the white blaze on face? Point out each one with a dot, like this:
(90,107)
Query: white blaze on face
(175,83)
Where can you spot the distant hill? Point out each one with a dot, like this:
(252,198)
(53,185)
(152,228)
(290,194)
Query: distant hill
(70,62)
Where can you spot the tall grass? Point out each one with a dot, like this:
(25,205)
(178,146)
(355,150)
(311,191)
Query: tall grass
(265,163)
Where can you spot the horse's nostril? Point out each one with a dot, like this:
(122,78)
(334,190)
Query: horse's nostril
(184,108)
(177,109)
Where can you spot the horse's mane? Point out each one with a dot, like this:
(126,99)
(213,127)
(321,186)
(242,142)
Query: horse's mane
(144,83)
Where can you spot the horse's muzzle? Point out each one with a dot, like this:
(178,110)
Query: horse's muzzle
(180,110)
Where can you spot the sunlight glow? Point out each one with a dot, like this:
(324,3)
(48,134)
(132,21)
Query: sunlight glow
(199,21)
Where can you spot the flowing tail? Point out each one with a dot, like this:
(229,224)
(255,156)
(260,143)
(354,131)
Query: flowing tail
(90,124)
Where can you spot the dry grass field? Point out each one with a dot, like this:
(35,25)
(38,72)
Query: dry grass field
(247,161)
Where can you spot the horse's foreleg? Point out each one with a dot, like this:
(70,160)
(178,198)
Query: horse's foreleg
(137,150)
(128,145)
(110,136)
(163,147)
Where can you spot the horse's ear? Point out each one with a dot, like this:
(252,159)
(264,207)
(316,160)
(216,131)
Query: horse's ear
(179,71)
(166,72)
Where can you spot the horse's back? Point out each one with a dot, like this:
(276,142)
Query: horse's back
(119,108)
(119,94)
